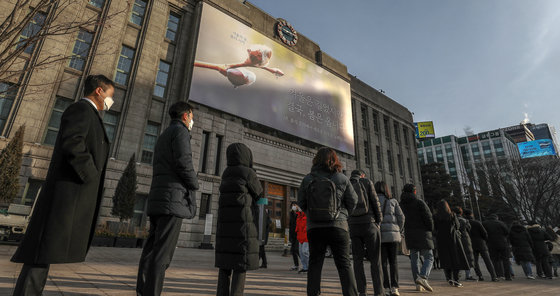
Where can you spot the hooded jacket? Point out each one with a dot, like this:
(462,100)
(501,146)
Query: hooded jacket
(393,220)
(521,244)
(237,245)
(478,235)
(497,233)
(419,224)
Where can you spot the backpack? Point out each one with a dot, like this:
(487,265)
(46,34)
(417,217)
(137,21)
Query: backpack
(322,200)
(362,207)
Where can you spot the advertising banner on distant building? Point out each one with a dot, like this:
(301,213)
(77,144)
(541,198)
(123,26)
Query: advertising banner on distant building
(424,129)
(243,72)
(536,148)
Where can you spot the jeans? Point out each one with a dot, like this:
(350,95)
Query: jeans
(489,266)
(32,279)
(389,255)
(339,241)
(500,260)
(304,255)
(231,282)
(366,242)
(157,253)
(427,256)
(527,268)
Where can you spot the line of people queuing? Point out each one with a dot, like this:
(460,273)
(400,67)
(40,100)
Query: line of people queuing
(332,211)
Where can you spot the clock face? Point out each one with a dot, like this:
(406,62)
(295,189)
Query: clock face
(286,33)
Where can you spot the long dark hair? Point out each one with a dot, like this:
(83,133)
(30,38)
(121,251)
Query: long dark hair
(381,187)
(443,211)
(326,158)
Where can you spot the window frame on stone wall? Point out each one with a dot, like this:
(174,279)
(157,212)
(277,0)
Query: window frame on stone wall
(396,131)
(379,157)
(36,190)
(375,117)
(122,59)
(146,148)
(390,161)
(387,127)
(135,15)
(400,164)
(204,147)
(53,128)
(168,29)
(140,213)
(30,30)
(159,83)
(219,144)
(8,93)
(97,3)
(111,125)
(82,55)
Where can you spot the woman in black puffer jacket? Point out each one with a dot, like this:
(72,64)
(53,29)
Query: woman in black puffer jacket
(237,246)
(522,247)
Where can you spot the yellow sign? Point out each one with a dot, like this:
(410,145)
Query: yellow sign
(425,129)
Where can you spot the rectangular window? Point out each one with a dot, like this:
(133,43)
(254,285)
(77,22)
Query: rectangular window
(8,93)
(219,140)
(172,26)
(400,163)
(396,129)
(204,151)
(97,3)
(405,135)
(31,191)
(162,78)
(487,149)
(364,116)
(409,164)
(139,217)
(205,208)
(475,151)
(439,154)
(138,11)
(30,31)
(54,123)
(81,50)
(375,121)
(110,121)
(386,126)
(379,160)
(124,65)
(390,160)
(367,156)
(149,145)
(429,155)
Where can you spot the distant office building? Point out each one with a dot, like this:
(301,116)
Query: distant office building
(544,131)
(520,133)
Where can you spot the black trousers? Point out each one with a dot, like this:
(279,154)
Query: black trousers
(157,254)
(32,279)
(489,266)
(451,274)
(366,242)
(389,255)
(294,249)
(543,266)
(500,260)
(262,255)
(231,282)
(339,241)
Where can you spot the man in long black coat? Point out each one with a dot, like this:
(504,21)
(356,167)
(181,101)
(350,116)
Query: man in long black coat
(63,222)
(171,198)
(478,238)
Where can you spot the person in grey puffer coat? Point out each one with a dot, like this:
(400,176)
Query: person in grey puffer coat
(391,227)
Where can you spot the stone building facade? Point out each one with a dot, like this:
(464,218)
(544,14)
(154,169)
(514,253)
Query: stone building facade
(148,49)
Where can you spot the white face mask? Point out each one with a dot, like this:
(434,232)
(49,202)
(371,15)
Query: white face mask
(107,103)
(294,208)
(191,123)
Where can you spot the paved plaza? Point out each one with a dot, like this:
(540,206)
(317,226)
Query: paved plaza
(112,271)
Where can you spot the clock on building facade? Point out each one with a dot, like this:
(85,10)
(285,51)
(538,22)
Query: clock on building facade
(286,33)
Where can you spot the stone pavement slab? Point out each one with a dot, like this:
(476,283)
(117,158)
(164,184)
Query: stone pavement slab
(112,271)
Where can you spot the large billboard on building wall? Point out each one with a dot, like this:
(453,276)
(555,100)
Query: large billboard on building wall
(424,129)
(241,71)
(536,148)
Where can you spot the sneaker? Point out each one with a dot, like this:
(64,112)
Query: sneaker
(509,279)
(420,288)
(495,279)
(294,267)
(450,282)
(395,292)
(422,282)
(530,277)
(457,284)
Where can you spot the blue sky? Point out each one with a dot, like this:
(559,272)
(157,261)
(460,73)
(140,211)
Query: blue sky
(482,64)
